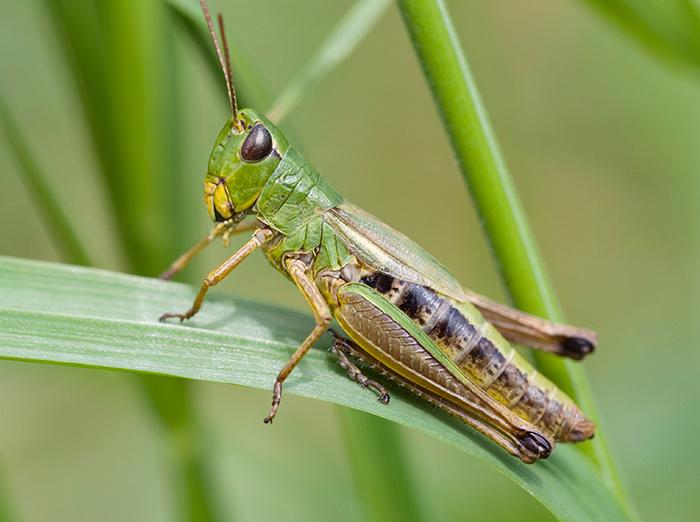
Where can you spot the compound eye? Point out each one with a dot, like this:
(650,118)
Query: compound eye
(258,145)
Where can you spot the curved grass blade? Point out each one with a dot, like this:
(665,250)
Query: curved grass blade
(54,217)
(496,199)
(338,45)
(341,41)
(94,318)
(189,16)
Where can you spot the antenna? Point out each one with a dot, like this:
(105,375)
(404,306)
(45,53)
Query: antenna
(227,70)
(224,60)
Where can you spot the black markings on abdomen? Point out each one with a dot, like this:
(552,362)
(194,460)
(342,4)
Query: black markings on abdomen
(461,340)
(447,326)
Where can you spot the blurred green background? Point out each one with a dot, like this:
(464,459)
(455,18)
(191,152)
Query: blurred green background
(600,136)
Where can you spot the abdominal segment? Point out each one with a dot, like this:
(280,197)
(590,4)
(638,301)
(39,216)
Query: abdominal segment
(485,358)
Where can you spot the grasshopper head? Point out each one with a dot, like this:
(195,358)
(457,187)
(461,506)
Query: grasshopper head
(247,150)
(246,153)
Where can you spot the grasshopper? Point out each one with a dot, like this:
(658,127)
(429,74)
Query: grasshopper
(404,314)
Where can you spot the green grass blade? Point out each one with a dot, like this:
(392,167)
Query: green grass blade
(338,45)
(669,28)
(94,318)
(138,117)
(494,193)
(59,226)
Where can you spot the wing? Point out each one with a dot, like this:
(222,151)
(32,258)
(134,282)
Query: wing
(381,247)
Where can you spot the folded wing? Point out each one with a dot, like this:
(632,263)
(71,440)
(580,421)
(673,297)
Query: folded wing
(381,247)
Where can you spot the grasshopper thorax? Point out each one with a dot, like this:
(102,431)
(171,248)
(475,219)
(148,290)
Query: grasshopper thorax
(245,155)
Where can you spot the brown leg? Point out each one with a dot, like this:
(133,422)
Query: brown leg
(298,272)
(342,348)
(535,332)
(225,228)
(260,237)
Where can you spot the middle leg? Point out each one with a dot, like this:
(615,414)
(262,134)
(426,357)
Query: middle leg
(298,271)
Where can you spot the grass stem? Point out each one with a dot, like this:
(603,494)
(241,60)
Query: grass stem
(493,191)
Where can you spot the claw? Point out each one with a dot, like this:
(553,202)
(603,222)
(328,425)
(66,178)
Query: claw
(382,394)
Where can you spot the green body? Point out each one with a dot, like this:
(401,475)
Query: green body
(283,190)
(399,304)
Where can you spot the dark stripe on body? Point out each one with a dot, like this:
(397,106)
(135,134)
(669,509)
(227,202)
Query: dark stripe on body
(474,353)
(452,331)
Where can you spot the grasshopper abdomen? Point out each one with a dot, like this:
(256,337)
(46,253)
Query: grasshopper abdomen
(490,362)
